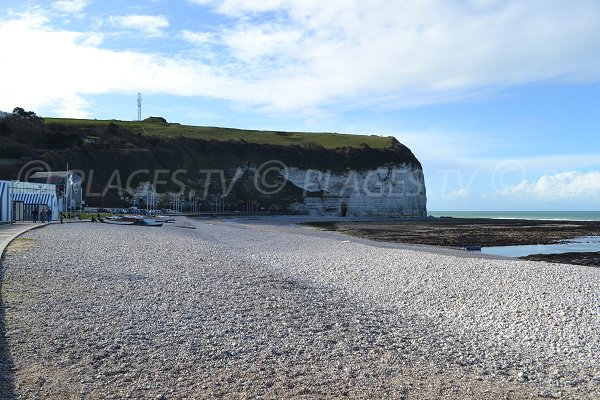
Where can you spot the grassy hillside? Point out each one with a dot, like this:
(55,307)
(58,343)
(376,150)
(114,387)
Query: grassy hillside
(160,128)
(101,148)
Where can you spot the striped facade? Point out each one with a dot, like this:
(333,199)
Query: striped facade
(19,199)
(34,198)
(5,202)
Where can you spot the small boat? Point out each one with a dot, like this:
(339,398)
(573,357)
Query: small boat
(115,220)
(164,218)
(130,220)
(469,247)
(147,222)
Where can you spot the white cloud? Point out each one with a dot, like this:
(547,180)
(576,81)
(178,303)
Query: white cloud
(74,106)
(151,25)
(197,37)
(70,6)
(457,194)
(79,68)
(91,40)
(442,150)
(409,52)
(465,170)
(299,55)
(573,190)
(240,7)
(252,43)
(564,185)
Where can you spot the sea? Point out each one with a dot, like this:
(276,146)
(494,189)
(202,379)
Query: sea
(536,215)
(583,244)
(586,244)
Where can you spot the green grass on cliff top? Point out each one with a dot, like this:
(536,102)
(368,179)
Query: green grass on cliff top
(156,128)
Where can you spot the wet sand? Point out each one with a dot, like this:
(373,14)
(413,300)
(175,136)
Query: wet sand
(458,232)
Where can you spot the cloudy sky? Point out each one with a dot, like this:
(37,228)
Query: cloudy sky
(500,100)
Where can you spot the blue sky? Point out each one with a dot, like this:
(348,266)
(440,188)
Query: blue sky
(498,99)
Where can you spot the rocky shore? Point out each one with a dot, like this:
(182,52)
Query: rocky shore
(591,259)
(458,232)
(244,310)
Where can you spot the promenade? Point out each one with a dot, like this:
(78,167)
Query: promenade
(9,231)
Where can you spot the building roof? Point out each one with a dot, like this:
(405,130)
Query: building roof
(60,174)
(54,176)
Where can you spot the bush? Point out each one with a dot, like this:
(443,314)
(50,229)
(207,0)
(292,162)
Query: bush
(14,150)
(156,120)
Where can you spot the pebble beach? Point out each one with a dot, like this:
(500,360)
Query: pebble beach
(239,309)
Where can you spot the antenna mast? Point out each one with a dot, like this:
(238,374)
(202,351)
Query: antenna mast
(139,107)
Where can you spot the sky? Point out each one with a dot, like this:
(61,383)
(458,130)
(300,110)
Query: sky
(499,100)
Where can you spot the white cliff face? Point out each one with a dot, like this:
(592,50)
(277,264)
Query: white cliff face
(388,191)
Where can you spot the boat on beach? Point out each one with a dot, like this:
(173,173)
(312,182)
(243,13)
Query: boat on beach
(110,220)
(164,218)
(470,247)
(131,220)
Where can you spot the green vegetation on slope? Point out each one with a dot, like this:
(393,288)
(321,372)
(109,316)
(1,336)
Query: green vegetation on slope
(159,128)
(110,153)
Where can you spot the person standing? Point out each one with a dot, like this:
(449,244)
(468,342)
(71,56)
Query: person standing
(49,215)
(42,216)
(34,215)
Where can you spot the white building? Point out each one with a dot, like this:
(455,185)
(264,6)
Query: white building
(19,199)
(68,188)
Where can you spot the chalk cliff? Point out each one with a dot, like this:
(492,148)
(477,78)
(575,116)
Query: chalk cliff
(396,190)
(206,167)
